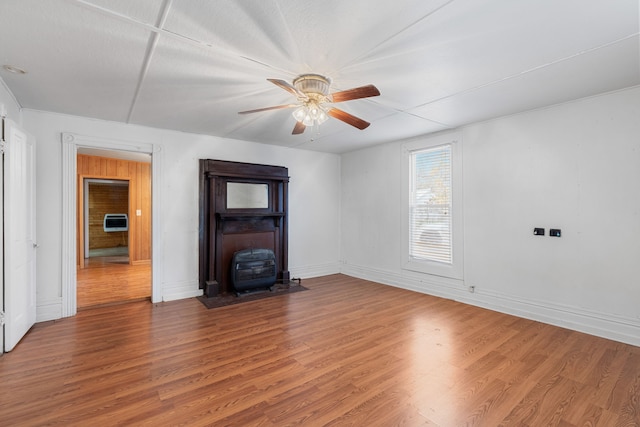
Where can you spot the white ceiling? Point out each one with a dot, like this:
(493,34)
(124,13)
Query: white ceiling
(191,65)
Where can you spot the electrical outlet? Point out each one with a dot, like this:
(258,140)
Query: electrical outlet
(472,289)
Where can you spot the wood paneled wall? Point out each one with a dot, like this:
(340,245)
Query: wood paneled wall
(139,176)
(106,199)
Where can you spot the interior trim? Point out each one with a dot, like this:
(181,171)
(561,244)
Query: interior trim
(70,144)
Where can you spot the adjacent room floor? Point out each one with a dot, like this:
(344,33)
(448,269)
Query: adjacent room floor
(109,278)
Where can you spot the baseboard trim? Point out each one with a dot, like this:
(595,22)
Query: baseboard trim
(314,270)
(181,290)
(49,310)
(605,325)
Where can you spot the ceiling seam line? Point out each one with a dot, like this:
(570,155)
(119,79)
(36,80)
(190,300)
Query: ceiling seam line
(434,11)
(151,47)
(116,15)
(289,33)
(283,24)
(151,27)
(522,73)
(156,30)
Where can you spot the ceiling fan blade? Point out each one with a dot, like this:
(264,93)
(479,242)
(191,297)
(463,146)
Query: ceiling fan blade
(348,118)
(356,93)
(288,87)
(275,107)
(298,128)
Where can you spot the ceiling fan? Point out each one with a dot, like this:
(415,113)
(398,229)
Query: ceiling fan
(312,91)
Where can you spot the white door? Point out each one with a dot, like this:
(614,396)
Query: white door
(19,234)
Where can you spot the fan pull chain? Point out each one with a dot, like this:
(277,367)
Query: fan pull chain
(316,132)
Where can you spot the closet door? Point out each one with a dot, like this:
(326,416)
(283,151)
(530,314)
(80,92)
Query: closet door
(19,234)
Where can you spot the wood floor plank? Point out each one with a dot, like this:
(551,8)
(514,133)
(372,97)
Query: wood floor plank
(345,352)
(111,279)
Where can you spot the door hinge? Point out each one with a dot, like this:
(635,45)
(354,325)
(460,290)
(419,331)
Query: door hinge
(3,146)
(1,318)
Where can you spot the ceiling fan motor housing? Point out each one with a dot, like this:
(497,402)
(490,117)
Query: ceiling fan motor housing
(312,84)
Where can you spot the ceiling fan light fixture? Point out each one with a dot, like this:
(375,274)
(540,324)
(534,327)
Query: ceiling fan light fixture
(300,113)
(322,116)
(308,121)
(311,113)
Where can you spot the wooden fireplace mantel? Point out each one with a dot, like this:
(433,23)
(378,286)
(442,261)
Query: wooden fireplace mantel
(224,230)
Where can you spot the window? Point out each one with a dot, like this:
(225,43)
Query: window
(430,205)
(432,225)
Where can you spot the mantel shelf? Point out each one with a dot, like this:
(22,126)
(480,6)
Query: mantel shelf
(245,214)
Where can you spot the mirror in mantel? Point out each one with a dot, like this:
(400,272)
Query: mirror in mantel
(243,195)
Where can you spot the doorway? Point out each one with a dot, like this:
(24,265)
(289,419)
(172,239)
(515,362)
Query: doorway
(72,144)
(113,228)
(106,218)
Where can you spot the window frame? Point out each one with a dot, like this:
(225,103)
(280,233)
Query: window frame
(454,270)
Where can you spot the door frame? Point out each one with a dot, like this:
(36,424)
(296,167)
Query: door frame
(84,202)
(70,144)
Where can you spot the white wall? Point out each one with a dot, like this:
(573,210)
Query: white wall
(314,195)
(574,166)
(11,107)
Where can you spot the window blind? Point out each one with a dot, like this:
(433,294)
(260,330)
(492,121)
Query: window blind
(430,223)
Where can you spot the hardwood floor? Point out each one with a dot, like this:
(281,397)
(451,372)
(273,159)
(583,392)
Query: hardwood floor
(345,352)
(111,279)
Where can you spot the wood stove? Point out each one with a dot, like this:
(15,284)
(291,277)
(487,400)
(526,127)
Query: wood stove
(253,269)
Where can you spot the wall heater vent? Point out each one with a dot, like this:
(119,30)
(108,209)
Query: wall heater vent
(116,222)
